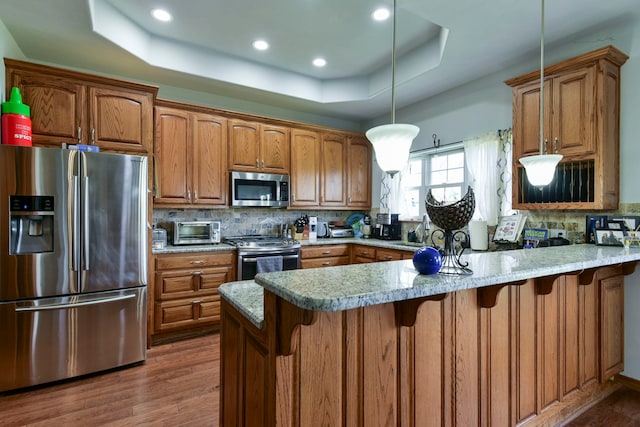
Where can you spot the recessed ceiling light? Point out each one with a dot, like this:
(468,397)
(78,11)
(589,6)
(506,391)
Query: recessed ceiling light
(161,15)
(319,62)
(260,45)
(381,14)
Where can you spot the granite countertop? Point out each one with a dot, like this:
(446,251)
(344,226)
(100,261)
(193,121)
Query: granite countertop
(351,286)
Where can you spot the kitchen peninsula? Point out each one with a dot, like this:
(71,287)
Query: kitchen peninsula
(531,337)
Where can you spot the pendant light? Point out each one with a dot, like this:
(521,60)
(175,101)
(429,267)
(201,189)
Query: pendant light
(392,142)
(541,168)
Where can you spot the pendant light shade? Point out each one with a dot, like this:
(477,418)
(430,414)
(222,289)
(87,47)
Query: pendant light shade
(541,168)
(392,142)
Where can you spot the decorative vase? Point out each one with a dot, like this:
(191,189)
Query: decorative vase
(427,260)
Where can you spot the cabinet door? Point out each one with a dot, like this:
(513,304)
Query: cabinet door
(573,112)
(334,170)
(359,173)
(526,119)
(611,327)
(209,159)
(57,107)
(244,146)
(274,149)
(305,168)
(171,147)
(121,120)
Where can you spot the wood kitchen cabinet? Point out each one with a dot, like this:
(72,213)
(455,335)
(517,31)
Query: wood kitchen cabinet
(361,254)
(358,172)
(185,298)
(612,325)
(190,153)
(76,108)
(582,107)
(324,256)
(258,147)
(330,170)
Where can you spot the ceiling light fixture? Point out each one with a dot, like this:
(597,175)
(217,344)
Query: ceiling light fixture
(161,15)
(380,14)
(542,167)
(392,142)
(319,62)
(260,45)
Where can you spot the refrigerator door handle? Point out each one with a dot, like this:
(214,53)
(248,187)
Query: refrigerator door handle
(76,225)
(86,240)
(76,304)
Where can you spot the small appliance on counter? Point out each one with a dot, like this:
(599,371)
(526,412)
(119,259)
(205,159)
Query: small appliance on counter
(159,238)
(323,229)
(340,229)
(388,227)
(195,232)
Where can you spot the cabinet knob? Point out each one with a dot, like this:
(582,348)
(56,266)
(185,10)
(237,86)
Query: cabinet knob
(257,163)
(326,252)
(79,135)
(189,196)
(263,164)
(555,144)
(197,261)
(93,136)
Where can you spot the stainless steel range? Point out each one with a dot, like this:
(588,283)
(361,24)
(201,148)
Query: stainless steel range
(261,254)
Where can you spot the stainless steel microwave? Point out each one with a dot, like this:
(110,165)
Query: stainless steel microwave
(259,189)
(195,232)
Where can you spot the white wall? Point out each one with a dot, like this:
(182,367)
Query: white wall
(8,49)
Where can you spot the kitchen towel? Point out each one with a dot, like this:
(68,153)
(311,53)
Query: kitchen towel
(267,264)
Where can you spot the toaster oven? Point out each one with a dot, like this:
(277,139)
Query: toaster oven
(195,232)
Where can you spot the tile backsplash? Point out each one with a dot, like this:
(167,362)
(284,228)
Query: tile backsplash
(242,221)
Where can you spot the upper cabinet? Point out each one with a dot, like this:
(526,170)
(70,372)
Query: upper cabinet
(190,154)
(330,170)
(77,108)
(581,122)
(258,147)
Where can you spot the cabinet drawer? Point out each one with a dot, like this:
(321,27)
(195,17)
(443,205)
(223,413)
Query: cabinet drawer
(364,252)
(388,255)
(184,284)
(186,312)
(362,260)
(205,259)
(324,262)
(324,251)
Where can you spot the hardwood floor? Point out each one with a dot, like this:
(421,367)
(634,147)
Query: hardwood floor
(178,385)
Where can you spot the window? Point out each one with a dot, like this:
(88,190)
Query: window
(442,172)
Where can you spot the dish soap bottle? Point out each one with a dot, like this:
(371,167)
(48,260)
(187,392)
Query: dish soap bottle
(16,121)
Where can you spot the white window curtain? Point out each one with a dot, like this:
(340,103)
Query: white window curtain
(390,200)
(481,154)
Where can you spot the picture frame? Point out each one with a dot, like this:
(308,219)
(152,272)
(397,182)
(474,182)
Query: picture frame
(609,237)
(593,223)
(616,225)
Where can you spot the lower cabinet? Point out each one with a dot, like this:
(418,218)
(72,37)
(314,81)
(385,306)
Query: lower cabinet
(324,256)
(186,299)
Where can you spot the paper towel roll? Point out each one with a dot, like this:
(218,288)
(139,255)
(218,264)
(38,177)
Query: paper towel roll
(479,235)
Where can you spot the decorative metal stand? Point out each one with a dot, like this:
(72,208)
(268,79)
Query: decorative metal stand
(451,217)
(451,262)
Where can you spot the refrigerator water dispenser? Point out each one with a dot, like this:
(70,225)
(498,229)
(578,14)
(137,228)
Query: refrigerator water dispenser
(31,225)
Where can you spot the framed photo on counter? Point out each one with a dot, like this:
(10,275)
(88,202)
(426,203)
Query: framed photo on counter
(609,237)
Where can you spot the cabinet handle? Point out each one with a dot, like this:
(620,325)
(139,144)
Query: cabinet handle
(79,135)
(555,144)
(262,164)
(189,196)
(388,257)
(196,301)
(258,164)
(545,150)
(349,199)
(364,253)
(198,261)
(196,273)
(93,136)
(195,196)
(326,263)
(326,252)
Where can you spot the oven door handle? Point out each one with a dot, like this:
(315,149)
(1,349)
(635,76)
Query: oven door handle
(254,259)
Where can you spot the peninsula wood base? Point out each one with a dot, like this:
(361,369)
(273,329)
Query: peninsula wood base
(536,354)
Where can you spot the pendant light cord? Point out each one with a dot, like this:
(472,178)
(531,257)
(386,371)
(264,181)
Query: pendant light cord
(393,68)
(541,79)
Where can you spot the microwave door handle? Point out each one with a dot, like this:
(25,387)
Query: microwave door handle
(86,223)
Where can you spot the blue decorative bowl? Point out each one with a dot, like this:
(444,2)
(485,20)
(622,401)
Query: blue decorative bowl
(427,260)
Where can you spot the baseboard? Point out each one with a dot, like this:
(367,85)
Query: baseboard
(628,382)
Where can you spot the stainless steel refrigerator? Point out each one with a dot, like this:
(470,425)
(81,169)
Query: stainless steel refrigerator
(73,263)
